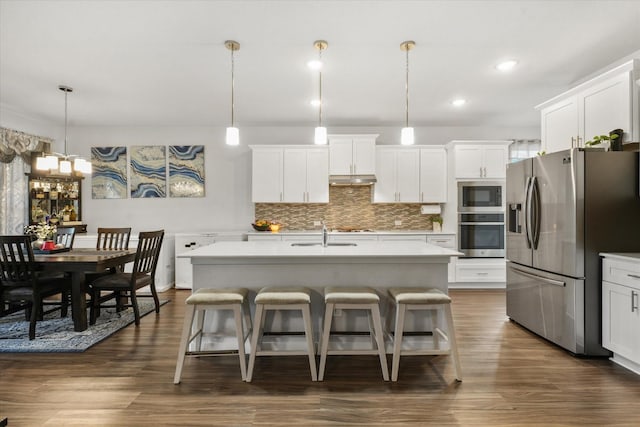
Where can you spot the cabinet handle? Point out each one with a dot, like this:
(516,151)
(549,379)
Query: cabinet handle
(480,171)
(635,276)
(578,143)
(354,169)
(399,197)
(482,273)
(634,303)
(573,142)
(281,196)
(485,172)
(422,196)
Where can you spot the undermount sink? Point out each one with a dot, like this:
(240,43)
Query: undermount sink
(328,244)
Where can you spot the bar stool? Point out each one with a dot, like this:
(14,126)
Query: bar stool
(417,298)
(353,298)
(213,299)
(282,298)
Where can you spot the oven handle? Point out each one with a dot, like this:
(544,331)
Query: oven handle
(542,279)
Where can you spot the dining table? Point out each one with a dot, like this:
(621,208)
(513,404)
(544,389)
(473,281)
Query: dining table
(77,262)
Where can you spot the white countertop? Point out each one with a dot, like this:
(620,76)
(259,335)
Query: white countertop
(347,233)
(625,256)
(275,249)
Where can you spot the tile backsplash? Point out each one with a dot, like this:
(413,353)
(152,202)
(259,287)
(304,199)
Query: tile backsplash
(347,207)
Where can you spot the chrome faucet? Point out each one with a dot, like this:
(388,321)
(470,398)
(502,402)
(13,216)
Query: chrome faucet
(325,234)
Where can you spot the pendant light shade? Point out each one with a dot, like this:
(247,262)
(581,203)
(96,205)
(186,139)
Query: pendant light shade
(320,135)
(406,136)
(65,166)
(233,134)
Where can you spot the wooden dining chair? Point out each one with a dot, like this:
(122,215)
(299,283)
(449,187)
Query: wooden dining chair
(65,236)
(121,284)
(22,286)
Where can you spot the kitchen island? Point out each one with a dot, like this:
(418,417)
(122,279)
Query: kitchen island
(378,264)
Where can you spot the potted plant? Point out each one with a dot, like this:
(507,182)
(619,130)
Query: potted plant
(436,223)
(604,141)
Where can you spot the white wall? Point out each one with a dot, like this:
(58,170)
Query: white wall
(227,202)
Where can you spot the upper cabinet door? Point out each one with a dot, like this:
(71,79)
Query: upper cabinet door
(364,156)
(317,175)
(433,175)
(385,186)
(266,180)
(340,156)
(295,175)
(468,161)
(494,161)
(560,126)
(606,107)
(408,175)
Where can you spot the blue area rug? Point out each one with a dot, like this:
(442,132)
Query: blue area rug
(56,335)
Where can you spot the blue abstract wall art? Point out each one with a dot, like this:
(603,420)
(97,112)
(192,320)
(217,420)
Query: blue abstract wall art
(186,171)
(109,176)
(148,171)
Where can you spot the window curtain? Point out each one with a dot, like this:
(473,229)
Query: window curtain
(15,161)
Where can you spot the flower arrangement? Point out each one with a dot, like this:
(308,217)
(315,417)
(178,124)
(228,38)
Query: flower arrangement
(42,231)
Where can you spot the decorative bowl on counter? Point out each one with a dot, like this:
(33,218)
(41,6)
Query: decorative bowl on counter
(261,227)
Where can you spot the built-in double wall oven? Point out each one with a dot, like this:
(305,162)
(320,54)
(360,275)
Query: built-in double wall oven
(481,231)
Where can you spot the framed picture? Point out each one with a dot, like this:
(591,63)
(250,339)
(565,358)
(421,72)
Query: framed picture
(148,171)
(186,171)
(109,176)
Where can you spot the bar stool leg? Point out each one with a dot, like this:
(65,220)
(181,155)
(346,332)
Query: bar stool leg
(397,340)
(199,328)
(184,342)
(324,347)
(257,330)
(453,343)
(306,315)
(434,328)
(237,308)
(380,340)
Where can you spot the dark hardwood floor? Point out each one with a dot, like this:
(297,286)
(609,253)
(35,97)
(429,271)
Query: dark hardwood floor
(511,377)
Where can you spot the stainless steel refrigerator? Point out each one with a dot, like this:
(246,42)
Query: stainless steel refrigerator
(563,210)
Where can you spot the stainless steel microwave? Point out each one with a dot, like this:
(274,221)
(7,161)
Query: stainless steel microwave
(480,196)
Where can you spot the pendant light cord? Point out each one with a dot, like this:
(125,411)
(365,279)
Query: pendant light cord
(320,88)
(66,93)
(406,87)
(232,84)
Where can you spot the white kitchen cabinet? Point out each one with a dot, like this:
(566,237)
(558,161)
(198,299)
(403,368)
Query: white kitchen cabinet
(185,243)
(433,175)
(473,161)
(352,154)
(446,241)
(398,175)
(483,272)
(621,308)
(267,174)
(306,175)
(595,107)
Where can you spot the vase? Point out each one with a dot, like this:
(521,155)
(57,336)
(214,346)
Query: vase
(616,144)
(37,244)
(437,227)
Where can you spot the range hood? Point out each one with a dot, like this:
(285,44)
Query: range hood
(352,179)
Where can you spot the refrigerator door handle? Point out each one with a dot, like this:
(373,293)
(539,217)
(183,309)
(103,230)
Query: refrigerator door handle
(535,212)
(542,279)
(527,212)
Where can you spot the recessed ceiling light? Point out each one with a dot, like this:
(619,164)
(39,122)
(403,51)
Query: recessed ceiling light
(315,102)
(314,64)
(458,102)
(507,65)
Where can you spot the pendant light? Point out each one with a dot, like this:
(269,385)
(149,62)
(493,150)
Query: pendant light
(406,136)
(60,161)
(320,135)
(233,134)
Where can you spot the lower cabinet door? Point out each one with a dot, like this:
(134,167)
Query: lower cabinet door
(621,320)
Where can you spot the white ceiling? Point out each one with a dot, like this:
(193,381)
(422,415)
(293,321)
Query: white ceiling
(141,63)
